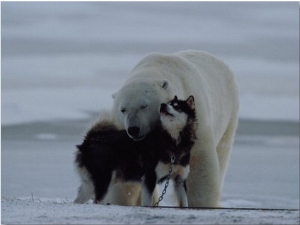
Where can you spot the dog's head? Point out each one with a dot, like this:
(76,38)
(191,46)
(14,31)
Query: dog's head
(177,114)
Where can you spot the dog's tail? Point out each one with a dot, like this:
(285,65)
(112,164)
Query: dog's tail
(105,121)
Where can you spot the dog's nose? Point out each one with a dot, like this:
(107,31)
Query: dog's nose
(133,131)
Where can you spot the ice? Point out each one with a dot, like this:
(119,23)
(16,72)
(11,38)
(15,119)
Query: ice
(46,136)
(38,104)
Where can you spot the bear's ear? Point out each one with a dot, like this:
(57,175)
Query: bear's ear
(164,84)
(114,95)
(191,102)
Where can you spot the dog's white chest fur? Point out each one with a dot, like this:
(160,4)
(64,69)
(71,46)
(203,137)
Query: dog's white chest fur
(162,170)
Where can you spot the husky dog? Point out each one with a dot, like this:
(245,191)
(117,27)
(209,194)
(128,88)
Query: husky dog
(107,153)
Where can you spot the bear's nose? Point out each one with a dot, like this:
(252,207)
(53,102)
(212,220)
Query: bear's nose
(133,131)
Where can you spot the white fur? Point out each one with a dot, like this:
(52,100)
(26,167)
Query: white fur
(179,174)
(86,188)
(146,196)
(162,169)
(157,78)
(173,124)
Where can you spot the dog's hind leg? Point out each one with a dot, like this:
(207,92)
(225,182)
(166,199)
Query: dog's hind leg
(180,190)
(85,192)
(86,189)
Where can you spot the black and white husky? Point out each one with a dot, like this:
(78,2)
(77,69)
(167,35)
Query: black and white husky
(108,153)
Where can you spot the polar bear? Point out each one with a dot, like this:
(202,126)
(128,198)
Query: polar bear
(158,78)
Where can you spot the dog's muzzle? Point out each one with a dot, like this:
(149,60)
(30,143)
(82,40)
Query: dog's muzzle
(164,110)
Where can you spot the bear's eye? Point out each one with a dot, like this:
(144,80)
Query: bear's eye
(144,106)
(123,110)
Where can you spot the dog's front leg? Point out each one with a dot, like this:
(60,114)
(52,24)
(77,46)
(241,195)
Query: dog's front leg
(180,189)
(148,186)
(101,183)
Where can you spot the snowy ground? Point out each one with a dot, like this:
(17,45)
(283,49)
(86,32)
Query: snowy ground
(49,211)
(62,61)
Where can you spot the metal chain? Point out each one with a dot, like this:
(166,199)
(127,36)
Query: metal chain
(167,181)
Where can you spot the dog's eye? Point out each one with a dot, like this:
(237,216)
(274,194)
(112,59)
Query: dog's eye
(177,108)
(144,106)
(123,110)
(175,105)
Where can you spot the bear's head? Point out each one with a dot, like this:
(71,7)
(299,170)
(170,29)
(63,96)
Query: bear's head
(136,105)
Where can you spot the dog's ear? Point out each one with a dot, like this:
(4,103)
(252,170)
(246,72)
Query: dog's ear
(191,102)
(175,98)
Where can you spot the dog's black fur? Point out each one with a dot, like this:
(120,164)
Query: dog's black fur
(106,149)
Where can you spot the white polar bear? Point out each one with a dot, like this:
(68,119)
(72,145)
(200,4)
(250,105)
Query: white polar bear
(158,78)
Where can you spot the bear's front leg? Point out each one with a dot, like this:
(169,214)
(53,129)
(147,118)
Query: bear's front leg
(148,186)
(203,182)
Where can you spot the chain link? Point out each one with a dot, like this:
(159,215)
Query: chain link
(167,181)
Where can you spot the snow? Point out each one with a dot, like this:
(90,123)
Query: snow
(62,61)
(49,211)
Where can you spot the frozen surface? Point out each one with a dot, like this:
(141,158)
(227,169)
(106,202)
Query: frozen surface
(61,62)
(54,52)
(50,211)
